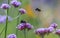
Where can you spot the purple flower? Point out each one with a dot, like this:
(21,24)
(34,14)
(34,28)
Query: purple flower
(22,11)
(50,30)
(54,25)
(15,3)
(41,31)
(5,6)
(23,26)
(58,32)
(29,26)
(11,36)
(3,19)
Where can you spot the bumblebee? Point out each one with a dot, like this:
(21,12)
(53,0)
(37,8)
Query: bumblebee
(37,9)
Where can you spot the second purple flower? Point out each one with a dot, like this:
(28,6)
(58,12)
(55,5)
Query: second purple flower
(24,25)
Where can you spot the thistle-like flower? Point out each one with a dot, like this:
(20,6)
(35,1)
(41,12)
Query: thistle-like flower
(11,36)
(5,6)
(50,30)
(22,11)
(24,25)
(15,3)
(57,32)
(41,31)
(54,25)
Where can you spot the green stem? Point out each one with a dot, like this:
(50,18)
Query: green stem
(59,36)
(17,24)
(15,18)
(6,23)
(42,36)
(24,33)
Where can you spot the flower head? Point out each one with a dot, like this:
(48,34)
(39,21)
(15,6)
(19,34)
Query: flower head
(21,26)
(58,32)
(15,3)
(3,18)
(11,36)
(50,30)
(40,31)
(54,25)
(22,11)
(5,6)
(24,25)
(29,26)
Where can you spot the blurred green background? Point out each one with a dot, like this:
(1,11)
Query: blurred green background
(47,16)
